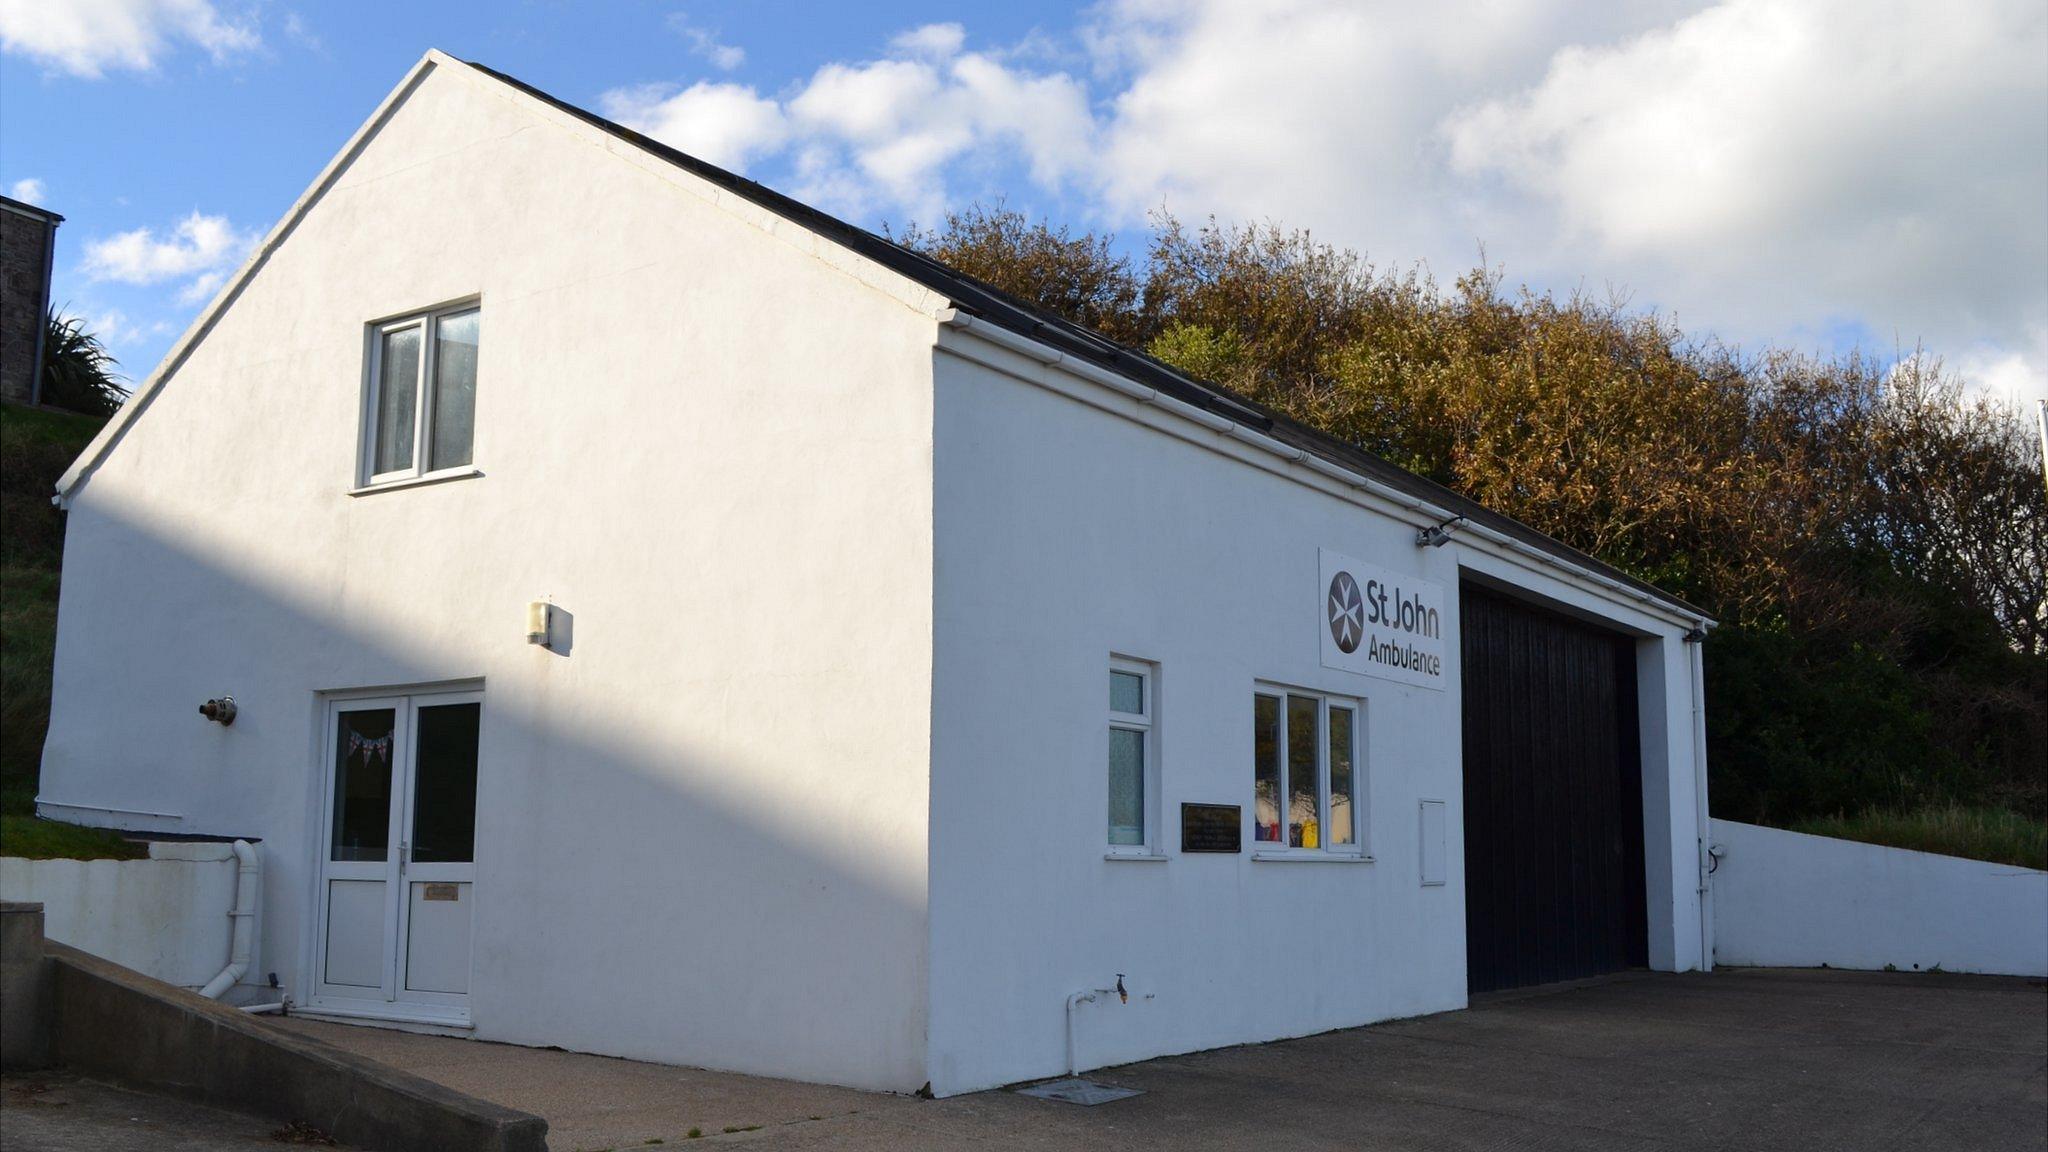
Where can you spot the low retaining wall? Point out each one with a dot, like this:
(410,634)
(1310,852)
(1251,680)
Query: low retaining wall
(24,988)
(101,1019)
(166,916)
(1789,900)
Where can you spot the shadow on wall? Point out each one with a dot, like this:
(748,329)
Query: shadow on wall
(672,862)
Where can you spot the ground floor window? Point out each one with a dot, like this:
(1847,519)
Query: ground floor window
(1133,755)
(1306,775)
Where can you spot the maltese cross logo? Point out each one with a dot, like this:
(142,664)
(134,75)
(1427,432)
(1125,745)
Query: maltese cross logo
(1347,612)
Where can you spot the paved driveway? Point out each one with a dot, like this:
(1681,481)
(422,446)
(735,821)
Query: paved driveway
(1737,1060)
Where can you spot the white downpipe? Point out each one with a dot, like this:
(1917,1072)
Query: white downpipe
(1073,1002)
(1699,775)
(248,897)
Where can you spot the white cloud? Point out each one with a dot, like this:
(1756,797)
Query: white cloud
(1767,170)
(28,190)
(940,40)
(726,124)
(704,42)
(882,132)
(87,37)
(202,287)
(201,247)
(1759,162)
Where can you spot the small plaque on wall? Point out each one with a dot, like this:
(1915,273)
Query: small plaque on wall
(441,892)
(1211,828)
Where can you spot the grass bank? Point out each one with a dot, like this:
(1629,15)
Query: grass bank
(36,445)
(1996,834)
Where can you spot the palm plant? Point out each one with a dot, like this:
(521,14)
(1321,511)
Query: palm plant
(78,373)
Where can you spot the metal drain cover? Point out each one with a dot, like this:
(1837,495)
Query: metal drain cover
(1077,1091)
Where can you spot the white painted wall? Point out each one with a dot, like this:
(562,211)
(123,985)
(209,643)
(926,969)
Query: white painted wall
(1065,534)
(1786,899)
(701,832)
(165,916)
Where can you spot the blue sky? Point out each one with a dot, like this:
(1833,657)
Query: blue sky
(1819,173)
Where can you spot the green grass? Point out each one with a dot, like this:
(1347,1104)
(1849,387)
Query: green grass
(36,445)
(1995,834)
(49,840)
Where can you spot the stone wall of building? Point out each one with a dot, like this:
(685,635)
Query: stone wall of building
(25,239)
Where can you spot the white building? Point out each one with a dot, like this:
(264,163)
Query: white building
(899,636)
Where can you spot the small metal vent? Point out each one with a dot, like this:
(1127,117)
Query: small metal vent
(1076,1091)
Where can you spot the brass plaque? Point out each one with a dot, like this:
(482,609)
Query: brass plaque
(443,892)
(1211,828)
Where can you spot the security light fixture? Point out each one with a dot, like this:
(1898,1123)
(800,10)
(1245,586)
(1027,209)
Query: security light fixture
(1437,535)
(539,618)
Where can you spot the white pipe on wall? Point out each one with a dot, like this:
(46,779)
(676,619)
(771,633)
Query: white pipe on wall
(248,896)
(1699,774)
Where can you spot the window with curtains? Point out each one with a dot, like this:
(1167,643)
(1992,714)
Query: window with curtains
(1306,776)
(419,410)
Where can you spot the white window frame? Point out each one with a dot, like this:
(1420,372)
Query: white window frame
(1355,852)
(429,324)
(1146,723)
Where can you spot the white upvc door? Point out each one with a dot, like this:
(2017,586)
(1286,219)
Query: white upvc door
(397,860)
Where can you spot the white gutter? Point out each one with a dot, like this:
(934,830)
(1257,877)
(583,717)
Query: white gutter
(1087,370)
(248,896)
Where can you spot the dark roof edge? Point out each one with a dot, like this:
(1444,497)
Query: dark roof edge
(28,209)
(1000,308)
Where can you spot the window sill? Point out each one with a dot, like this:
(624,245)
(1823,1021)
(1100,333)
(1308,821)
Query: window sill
(1312,856)
(441,477)
(1136,857)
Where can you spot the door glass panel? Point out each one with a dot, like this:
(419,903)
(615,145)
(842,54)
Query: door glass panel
(362,785)
(1266,767)
(1342,822)
(398,382)
(444,784)
(1302,801)
(454,390)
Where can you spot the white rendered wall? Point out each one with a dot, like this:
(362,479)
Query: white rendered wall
(701,831)
(165,916)
(1066,533)
(1786,899)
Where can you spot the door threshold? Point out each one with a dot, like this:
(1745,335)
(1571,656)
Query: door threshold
(409,1021)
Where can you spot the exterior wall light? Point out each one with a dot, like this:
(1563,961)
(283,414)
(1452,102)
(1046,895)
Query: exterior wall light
(1437,535)
(540,621)
(221,711)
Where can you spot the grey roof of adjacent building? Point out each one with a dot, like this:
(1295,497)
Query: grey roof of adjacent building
(986,302)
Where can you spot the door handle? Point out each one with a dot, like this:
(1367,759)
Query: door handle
(404,856)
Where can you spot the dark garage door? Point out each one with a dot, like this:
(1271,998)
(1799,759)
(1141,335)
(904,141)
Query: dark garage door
(1553,797)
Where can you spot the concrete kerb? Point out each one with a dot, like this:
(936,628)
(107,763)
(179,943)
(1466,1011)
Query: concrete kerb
(111,1021)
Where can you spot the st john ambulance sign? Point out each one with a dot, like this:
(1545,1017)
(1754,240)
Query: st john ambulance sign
(1381,623)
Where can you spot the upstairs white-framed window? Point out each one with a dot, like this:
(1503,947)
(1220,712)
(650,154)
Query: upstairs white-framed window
(419,396)
(1133,758)
(1308,774)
